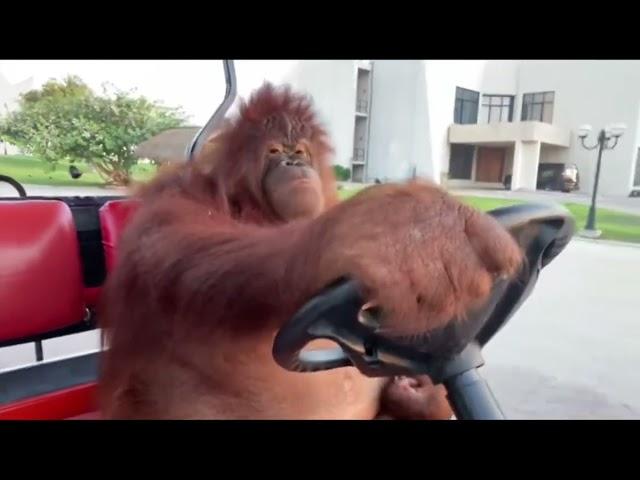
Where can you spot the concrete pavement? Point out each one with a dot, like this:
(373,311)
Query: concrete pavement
(573,349)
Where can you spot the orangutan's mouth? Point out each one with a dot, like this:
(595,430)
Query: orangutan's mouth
(301,182)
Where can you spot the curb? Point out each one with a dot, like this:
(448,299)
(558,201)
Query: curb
(613,243)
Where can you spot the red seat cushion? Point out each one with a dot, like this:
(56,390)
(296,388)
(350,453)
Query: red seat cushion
(87,416)
(92,296)
(41,286)
(114,217)
(77,402)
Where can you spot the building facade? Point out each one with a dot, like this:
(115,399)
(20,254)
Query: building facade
(9,96)
(478,122)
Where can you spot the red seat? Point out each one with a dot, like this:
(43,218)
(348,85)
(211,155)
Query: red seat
(95,415)
(92,296)
(74,403)
(41,287)
(114,217)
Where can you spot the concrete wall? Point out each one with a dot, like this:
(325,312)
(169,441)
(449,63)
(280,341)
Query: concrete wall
(9,97)
(596,93)
(510,132)
(525,165)
(552,154)
(500,77)
(412,104)
(10,93)
(442,78)
(332,83)
(399,124)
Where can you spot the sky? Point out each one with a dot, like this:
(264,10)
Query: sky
(195,85)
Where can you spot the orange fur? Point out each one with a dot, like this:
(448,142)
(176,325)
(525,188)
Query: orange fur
(207,273)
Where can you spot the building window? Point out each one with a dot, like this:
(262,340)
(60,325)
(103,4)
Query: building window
(461,162)
(466,108)
(537,106)
(636,176)
(496,108)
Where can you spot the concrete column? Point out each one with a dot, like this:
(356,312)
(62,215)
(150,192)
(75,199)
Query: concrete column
(526,157)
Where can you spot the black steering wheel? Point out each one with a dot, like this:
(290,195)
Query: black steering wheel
(15,184)
(450,355)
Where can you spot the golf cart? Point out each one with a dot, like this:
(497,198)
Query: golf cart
(56,252)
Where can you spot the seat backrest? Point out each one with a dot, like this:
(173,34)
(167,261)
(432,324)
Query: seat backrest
(41,286)
(114,217)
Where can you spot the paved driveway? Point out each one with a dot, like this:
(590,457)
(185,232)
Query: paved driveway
(573,350)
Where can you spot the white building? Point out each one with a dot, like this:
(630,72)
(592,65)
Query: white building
(9,96)
(472,123)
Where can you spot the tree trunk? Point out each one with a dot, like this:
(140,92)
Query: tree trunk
(112,175)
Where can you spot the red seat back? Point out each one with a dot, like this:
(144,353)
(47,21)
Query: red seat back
(114,217)
(41,287)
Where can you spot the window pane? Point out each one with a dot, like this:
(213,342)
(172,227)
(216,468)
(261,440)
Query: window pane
(484,115)
(538,97)
(457,111)
(536,112)
(467,113)
(504,114)
(527,98)
(494,115)
(548,113)
(466,109)
(525,112)
(466,94)
(636,177)
(461,162)
(474,113)
(548,97)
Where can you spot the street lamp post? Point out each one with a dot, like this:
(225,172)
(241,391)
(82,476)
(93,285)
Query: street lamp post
(606,134)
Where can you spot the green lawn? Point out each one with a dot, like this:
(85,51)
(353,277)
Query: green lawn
(30,170)
(614,225)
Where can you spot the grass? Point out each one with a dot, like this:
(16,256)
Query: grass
(485,204)
(30,170)
(615,225)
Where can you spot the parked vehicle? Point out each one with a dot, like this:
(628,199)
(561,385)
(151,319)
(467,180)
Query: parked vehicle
(558,177)
(553,177)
